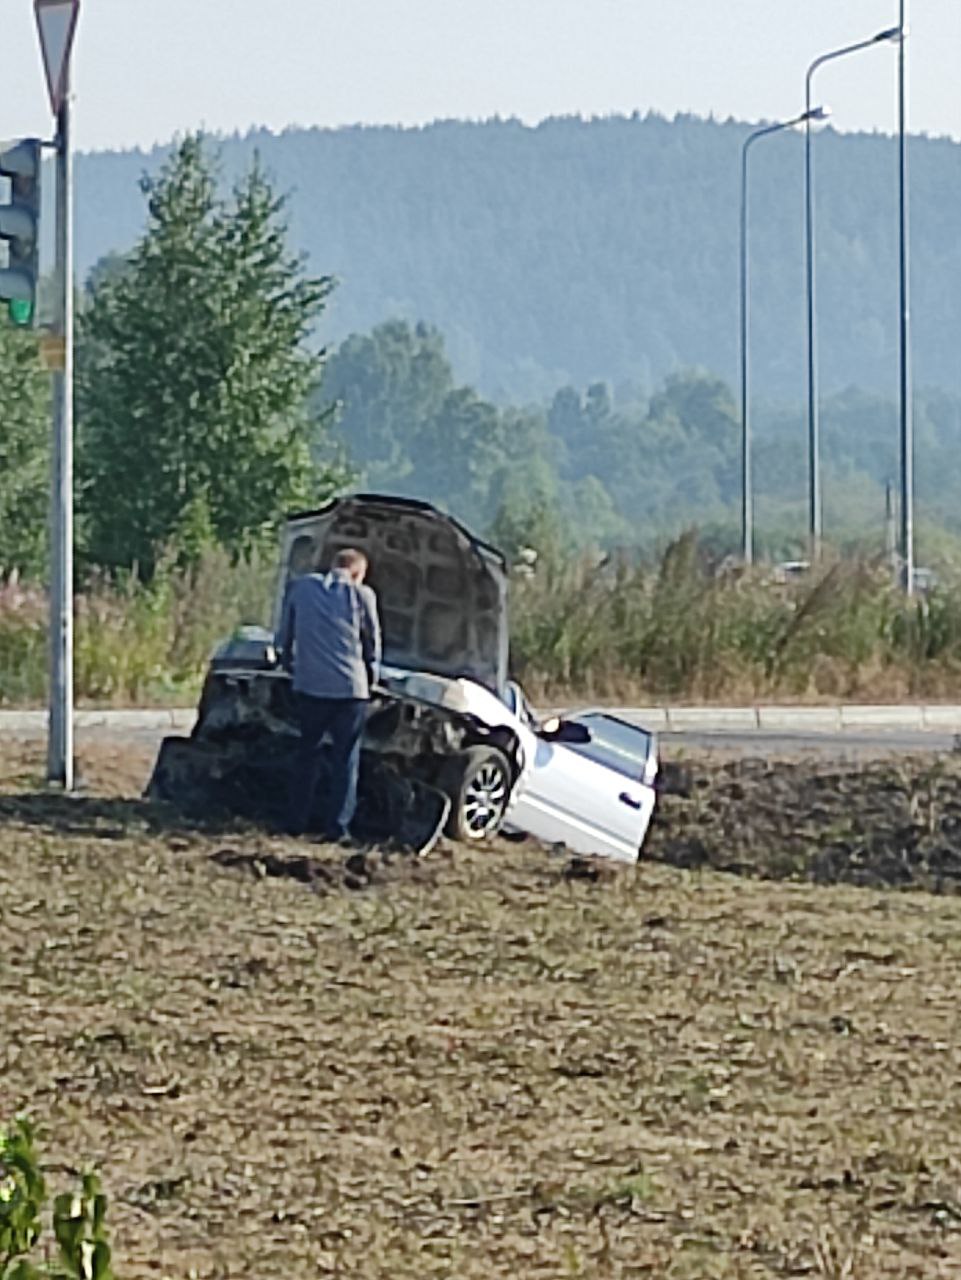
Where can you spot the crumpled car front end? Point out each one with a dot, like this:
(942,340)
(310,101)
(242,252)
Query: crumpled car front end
(440,750)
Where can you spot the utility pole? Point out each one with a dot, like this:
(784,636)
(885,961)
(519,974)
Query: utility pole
(57,25)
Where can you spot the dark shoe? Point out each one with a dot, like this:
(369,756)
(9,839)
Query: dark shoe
(339,840)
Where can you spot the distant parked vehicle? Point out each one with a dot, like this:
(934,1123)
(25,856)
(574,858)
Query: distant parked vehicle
(924,580)
(790,570)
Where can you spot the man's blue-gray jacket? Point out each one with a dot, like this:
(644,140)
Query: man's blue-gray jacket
(330,636)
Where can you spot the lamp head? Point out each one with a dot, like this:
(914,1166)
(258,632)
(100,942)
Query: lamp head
(817,114)
(892,35)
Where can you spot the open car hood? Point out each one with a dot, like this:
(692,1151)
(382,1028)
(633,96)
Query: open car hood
(442,592)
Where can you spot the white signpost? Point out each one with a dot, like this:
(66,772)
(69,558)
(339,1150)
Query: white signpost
(57,25)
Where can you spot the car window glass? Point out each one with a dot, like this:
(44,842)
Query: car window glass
(515,700)
(614,743)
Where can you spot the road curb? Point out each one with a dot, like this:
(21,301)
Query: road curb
(864,717)
(947,719)
(843,718)
(800,719)
(651,718)
(91,718)
(22,721)
(851,718)
(719,719)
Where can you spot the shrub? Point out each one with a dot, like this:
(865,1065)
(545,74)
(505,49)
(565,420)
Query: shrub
(77,1218)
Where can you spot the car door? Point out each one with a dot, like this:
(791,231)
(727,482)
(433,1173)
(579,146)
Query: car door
(596,797)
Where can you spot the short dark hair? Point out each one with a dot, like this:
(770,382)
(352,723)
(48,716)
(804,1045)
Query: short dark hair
(351,559)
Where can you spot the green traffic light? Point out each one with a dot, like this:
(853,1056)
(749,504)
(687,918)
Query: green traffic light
(21,312)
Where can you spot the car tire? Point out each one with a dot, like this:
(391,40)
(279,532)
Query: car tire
(478,782)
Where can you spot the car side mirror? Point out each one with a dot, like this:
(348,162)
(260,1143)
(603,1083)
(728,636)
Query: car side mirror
(570,731)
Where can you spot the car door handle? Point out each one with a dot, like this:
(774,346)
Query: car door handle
(626,798)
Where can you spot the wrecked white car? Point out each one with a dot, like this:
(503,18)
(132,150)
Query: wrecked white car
(450,743)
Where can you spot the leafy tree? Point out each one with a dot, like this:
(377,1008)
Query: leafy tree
(591,515)
(194,374)
(528,515)
(105,270)
(24,453)
(522,526)
(385,385)
(701,402)
(407,426)
(457,451)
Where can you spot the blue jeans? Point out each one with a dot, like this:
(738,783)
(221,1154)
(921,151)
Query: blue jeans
(342,720)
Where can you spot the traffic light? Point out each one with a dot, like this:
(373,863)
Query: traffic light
(20,229)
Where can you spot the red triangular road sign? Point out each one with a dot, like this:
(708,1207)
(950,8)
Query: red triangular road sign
(57,24)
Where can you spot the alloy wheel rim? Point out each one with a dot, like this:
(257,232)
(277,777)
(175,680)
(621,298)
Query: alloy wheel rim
(484,799)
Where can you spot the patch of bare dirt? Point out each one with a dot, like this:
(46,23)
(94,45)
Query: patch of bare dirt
(882,823)
(489,1063)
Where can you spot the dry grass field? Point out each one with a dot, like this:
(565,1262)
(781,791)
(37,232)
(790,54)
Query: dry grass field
(477,1065)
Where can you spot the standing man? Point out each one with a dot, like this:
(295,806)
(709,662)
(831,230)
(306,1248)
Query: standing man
(330,639)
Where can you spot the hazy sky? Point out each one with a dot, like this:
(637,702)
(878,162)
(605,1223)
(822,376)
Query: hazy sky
(146,69)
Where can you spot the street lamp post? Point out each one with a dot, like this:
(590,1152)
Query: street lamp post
(814,426)
(747,498)
(904,344)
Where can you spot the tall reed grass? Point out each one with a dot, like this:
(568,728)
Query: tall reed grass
(134,643)
(690,631)
(591,628)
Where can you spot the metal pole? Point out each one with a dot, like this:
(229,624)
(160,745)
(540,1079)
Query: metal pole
(907,423)
(890,533)
(814,426)
(747,500)
(60,743)
(815,506)
(747,496)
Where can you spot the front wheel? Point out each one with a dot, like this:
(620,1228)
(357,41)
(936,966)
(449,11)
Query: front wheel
(478,782)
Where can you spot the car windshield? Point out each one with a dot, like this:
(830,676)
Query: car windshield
(615,743)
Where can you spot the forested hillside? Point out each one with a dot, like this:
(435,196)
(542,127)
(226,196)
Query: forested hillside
(604,250)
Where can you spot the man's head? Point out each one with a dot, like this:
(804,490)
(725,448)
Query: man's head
(353,562)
